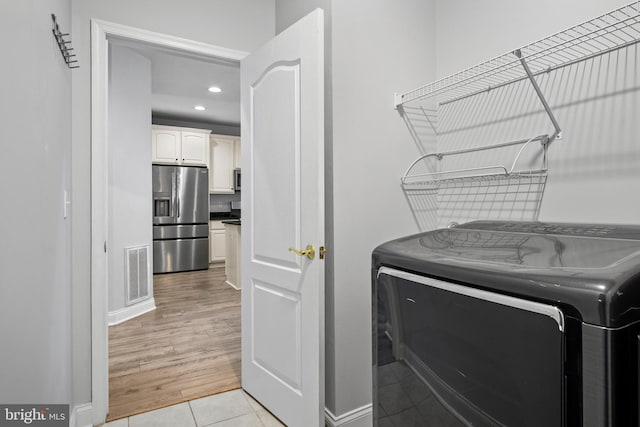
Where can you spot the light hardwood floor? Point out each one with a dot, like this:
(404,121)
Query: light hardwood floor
(188,347)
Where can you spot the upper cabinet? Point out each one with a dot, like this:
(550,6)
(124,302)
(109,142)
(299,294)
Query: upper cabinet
(166,146)
(180,146)
(195,148)
(222,162)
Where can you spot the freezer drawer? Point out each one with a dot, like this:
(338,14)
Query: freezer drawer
(170,256)
(162,232)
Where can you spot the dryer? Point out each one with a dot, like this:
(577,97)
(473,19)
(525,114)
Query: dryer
(500,323)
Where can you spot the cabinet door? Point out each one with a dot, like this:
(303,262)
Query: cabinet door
(221,166)
(216,241)
(238,256)
(216,246)
(232,261)
(165,146)
(229,262)
(195,149)
(237,158)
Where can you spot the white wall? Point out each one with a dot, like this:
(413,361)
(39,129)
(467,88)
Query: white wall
(129,164)
(379,48)
(470,32)
(220,129)
(290,11)
(237,25)
(594,168)
(35,289)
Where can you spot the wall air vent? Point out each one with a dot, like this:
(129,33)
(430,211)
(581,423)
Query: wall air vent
(137,272)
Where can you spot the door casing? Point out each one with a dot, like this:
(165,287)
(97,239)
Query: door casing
(101,31)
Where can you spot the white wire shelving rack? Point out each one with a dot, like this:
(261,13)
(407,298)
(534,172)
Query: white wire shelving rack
(606,33)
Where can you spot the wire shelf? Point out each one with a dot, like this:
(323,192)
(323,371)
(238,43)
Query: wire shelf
(468,181)
(516,196)
(433,180)
(606,33)
(484,192)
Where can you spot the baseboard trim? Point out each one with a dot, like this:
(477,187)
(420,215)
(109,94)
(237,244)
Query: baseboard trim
(119,316)
(362,416)
(232,285)
(81,416)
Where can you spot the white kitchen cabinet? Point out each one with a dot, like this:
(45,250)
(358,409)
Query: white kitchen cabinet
(195,148)
(222,163)
(217,243)
(237,156)
(166,146)
(232,258)
(180,146)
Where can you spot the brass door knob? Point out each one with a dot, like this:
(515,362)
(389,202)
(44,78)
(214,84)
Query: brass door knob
(309,251)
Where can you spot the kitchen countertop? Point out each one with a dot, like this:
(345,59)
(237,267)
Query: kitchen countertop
(236,221)
(221,216)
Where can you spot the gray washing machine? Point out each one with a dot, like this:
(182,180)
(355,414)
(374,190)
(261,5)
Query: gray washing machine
(497,323)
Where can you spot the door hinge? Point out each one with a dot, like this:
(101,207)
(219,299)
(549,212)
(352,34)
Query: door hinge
(322,252)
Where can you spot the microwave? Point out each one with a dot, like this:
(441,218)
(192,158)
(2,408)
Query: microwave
(236,179)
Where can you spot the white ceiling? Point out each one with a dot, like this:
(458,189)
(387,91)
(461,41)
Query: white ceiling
(179,82)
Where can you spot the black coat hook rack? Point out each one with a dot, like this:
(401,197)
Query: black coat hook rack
(64,44)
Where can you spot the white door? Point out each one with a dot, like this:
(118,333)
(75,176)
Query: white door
(282,208)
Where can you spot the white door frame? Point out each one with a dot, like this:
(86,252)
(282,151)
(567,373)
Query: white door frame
(100,32)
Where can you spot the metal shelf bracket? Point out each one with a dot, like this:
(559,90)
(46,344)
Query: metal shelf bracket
(558,132)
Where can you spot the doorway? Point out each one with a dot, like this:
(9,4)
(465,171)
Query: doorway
(102,32)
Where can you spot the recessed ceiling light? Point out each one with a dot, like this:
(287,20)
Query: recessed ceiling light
(215,89)
(199,108)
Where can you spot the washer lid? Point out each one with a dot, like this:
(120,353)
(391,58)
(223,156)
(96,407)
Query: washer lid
(593,268)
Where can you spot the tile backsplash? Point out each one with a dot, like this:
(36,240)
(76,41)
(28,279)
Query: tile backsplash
(221,202)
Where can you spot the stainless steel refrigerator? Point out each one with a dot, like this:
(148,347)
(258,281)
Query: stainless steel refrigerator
(180,218)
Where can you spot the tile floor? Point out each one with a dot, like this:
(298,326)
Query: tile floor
(231,409)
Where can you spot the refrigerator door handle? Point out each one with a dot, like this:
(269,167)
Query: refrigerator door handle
(174,197)
(179,192)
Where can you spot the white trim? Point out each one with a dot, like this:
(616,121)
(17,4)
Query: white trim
(118,316)
(232,285)
(362,416)
(112,29)
(81,416)
(99,336)
(100,32)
